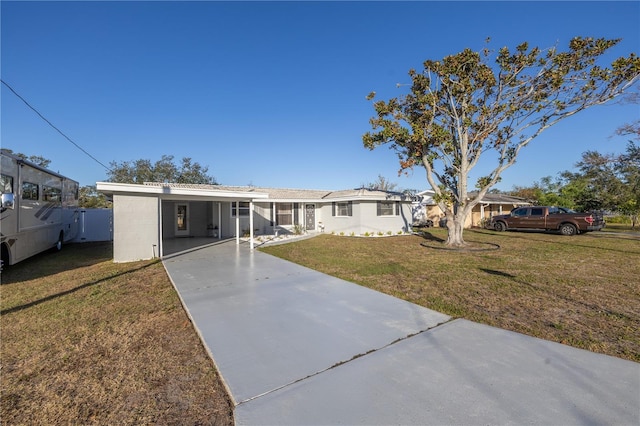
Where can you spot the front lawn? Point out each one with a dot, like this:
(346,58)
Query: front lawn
(583,290)
(89,341)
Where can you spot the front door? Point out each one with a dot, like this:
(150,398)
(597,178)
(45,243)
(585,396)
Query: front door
(182,220)
(310,216)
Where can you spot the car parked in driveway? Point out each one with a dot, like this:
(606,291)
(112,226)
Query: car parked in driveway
(548,218)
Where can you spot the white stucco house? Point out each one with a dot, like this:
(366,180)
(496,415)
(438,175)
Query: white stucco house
(147,216)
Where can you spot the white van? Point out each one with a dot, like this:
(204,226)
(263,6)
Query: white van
(39,209)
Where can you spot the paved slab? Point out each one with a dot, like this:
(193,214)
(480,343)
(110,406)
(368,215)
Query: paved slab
(269,323)
(295,346)
(460,373)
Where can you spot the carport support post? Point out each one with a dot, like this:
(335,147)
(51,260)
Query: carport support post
(160,236)
(251,224)
(219,221)
(237,222)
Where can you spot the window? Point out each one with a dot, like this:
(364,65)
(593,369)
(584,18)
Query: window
(6,184)
(519,212)
(536,212)
(388,208)
(29,191)
(284,214)
(50,193)
(344,208)
(242,207)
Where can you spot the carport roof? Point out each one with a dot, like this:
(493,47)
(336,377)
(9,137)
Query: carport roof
(171,191)
(182,190)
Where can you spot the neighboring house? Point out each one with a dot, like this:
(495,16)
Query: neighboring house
(492,204)
(144,216)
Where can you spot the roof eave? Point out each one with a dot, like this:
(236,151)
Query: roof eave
(173,192)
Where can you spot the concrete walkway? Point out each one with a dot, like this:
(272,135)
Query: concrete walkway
(295,346)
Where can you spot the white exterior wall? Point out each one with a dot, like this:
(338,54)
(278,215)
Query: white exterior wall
(135,224)
(365,219)
(372,223)
(339,224)
(262,219)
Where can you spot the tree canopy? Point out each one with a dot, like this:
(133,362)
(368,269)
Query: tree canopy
(602,182)
(382,184)
(163,170)
(90,198)
(471,103)
(35,159)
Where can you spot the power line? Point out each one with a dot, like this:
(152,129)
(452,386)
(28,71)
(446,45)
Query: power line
(51,124)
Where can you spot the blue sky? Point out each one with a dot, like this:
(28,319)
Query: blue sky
(269,93)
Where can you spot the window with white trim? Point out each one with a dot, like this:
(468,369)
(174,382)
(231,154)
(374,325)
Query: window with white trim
(284,214)
(388,208)
(241,207)
(342,208)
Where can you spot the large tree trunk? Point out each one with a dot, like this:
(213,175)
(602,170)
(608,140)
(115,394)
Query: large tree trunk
(455,226)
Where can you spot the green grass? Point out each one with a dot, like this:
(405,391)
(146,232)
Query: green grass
(621,227)
(581,290)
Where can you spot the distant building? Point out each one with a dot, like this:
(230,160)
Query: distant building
(425,208)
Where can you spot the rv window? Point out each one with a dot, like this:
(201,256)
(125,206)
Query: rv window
(29,191)
(6,184)
(50,193)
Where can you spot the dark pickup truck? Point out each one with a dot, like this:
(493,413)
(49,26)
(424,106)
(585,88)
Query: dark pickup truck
(567,221)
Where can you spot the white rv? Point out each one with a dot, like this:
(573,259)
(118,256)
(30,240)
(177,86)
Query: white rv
(39,209)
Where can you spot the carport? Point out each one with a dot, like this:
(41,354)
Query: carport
(156,219)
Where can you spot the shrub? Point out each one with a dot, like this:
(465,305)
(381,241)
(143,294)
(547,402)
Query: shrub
(618,219)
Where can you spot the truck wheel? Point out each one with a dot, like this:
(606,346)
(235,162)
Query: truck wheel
(60,241)
(4,256)
(499,226)
(568,229)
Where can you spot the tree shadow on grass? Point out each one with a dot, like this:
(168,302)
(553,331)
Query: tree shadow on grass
(50,262)
(73,290)
(498,273)
(428,236)
(438,243)
(570,241)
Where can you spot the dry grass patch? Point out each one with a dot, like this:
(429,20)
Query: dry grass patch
(582,290)
(85,340)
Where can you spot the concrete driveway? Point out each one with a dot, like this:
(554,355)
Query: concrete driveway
(295,346)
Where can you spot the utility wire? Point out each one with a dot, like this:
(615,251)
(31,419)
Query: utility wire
(51,124)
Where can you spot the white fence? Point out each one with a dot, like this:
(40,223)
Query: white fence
(95,225)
